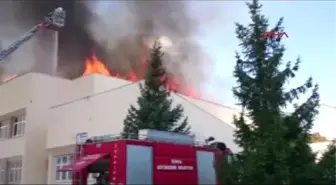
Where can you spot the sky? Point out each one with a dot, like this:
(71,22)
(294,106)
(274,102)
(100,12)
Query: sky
(311,27)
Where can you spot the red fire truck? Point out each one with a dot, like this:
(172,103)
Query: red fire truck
(154,157)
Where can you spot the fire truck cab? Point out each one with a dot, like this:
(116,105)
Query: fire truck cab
(154,157)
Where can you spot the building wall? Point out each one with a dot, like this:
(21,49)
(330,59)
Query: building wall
(56,109)
(43,87)
(85,86)
(205,125)
(15,94)
(221,112)
(29,95)
(97,115)
(6,144)
(104,114)
(14,97)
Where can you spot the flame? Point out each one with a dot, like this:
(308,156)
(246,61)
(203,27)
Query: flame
(8,78)
(94,65)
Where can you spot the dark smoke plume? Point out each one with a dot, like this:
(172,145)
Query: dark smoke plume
(75,42)
(137,23)
(120,37)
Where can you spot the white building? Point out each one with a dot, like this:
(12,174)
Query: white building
(40,116)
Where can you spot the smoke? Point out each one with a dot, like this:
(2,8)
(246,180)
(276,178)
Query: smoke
(74,41)
(10,30)
(128,31)
(120,36)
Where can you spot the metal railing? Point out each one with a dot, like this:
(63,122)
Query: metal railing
(137,137)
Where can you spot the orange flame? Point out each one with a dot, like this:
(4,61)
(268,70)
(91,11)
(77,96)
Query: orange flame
(94,65)
(8,78)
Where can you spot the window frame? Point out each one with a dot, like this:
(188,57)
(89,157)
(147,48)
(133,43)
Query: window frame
(4,130)
(68,174)
(14,175)
(2,174)
(18,126)
(58,165)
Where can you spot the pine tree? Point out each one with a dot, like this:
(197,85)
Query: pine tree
(275,145)
(327,166)
(155,109)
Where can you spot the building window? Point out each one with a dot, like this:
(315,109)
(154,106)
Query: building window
(18,124)
(4,130)
(2,174)
(66,177)
(14,172)
(62,161)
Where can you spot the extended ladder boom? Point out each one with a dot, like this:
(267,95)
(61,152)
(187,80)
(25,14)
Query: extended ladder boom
(55,20)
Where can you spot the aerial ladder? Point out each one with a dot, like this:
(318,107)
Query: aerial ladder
(54,21)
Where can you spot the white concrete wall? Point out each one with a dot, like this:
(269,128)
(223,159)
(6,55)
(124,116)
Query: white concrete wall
(7,149)
(98,115)
(205,125)
(221,112)
(56,109)
(104,114)
(35,157)
(64,91)
(33,94)
(14,95)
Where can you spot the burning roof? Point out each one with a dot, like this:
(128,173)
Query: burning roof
(120,39)
(94,65)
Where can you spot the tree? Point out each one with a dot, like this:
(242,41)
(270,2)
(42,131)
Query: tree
(327,166)
(275,145)
(155,109)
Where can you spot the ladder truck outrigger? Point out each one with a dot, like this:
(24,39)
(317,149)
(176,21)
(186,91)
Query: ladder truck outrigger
(150,157)
(54,21)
